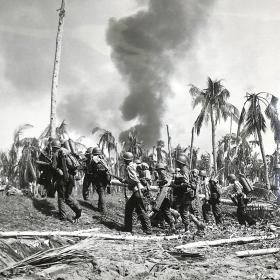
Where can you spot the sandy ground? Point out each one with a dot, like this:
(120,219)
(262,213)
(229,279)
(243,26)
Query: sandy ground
(140,259)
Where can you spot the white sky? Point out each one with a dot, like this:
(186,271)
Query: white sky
(240,43)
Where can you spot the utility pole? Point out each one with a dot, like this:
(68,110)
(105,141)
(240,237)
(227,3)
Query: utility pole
(56,69)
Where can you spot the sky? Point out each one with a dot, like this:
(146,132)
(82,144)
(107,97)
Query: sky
(130,62)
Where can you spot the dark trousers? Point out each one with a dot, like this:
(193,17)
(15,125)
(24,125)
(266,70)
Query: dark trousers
(215,206)
(242,216)
(101,200)
(135,203)
(88,180)
(185,206)
(165,211)
(64,191)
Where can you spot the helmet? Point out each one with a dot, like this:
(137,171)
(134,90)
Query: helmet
(160,166)
(96,151)
(214,180)
(128,156)
(202,173)
(145,165)
(195,172)
(231,177)
(182,159)
(138,161)
(89,151)
(56,144)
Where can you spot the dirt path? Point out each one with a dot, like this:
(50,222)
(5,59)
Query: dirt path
(139,260)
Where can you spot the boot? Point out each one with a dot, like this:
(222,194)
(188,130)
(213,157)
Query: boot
(172,228)
(78,216)
(187,229)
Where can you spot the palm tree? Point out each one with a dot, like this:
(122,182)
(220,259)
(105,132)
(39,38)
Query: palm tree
(214,104)
(106,140)
(56,69)
(133,145)
(254,121)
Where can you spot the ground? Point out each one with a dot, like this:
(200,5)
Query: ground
(139,259)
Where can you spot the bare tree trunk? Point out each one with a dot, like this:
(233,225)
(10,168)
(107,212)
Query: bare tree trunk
(267,182)
(214,152)
(56,70)
(169,147)
(191,149)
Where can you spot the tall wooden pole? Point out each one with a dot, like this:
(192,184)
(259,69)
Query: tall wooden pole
(169,146)
(191,148)
(56,69)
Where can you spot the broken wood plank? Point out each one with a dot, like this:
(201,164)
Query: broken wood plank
(80,233)
(259,252)
(218,242)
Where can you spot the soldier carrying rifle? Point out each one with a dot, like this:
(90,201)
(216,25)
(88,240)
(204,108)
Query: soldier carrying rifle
(184,192)
(136,200)
(164,209)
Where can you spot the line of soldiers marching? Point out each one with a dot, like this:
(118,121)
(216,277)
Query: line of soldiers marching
(178,196)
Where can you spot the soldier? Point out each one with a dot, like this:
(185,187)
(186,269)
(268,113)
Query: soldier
(212,200)
(136,200)
(45,178)
(240,199)
(165,208)
(194,180)
(88,178)
(101,176)
(64,173)
(184,193)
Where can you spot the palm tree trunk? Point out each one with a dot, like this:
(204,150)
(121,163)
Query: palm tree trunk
(191,148)
(56,70)
(267,182)
(214,152)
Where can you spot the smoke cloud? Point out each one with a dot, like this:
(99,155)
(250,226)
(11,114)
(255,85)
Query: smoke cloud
(145,48)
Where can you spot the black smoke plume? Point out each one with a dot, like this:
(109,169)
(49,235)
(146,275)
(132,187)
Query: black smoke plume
(145,47)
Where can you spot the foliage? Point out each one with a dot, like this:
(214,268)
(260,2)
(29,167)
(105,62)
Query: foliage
(253,121)
(214,107)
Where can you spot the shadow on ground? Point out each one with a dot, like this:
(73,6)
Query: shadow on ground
(45,207)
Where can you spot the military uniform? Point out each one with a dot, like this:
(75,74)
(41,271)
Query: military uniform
(46,177)
(64,182)
(240,199)
(88,178)
(165,208)
(184,194)
(101,179)
(212,201)
(135,202)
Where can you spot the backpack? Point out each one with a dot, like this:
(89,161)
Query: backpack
(72,162)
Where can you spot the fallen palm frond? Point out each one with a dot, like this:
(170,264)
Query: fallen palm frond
(77,253)
(238,240)
(80,233)
(259,252)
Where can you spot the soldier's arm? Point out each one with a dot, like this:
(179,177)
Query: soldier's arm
(132,176)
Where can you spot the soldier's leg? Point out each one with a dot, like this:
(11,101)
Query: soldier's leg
(184,211)
(129,207)
(60,199)
(217,212)
(69,200)
(206,207)
(248,217)
(101,202)
(142,214)
(86,185)
(240,215)
(166,211)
